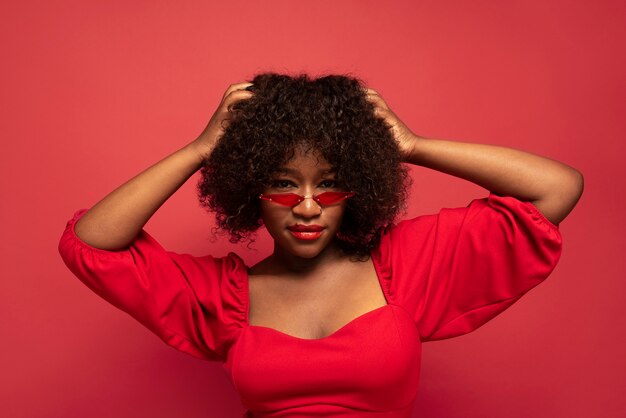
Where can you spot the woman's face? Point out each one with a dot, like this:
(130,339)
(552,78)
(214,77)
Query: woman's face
(306,175)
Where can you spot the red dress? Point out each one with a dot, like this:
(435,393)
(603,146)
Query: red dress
(443,275)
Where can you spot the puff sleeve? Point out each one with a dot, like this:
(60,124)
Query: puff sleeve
(193,304)
(455,270)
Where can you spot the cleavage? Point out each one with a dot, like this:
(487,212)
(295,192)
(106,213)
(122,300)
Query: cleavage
(314,311)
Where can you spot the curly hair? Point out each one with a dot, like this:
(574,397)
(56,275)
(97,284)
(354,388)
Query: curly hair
(329,115)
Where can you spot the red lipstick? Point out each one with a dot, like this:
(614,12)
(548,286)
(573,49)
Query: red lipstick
(306,232)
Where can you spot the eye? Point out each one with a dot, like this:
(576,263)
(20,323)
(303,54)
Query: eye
(281,184)
(329,184)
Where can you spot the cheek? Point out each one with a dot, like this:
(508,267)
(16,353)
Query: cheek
(270,217)
(337,216)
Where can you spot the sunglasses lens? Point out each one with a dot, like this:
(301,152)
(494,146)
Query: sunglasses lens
(292,199)
(287,199)
(328,198)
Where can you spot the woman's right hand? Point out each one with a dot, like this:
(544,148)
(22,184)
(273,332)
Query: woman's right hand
(219,121)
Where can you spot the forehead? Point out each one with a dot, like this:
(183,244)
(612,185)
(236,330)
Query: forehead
(302,162)
(299,170)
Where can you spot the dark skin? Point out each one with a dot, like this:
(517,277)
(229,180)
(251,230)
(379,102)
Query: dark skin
(301,288)
(302,293)
(304,289)
(553,187)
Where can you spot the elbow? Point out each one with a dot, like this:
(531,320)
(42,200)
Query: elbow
(576,186)
(569,194)
(564,196)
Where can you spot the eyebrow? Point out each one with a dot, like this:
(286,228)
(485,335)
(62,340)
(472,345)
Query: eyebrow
(287,170)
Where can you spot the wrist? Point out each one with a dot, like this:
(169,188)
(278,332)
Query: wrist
(412,149)
(198,152)
(201,149)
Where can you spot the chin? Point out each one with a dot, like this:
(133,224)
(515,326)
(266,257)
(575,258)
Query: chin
(310,250)
(307,253)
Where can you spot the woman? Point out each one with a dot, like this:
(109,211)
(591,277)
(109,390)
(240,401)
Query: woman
(331,323)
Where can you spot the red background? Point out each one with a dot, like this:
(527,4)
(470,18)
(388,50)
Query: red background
(94,92)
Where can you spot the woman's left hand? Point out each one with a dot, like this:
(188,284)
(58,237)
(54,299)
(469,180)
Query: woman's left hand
(402,134)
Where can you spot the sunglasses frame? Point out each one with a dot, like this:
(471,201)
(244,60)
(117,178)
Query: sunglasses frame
(300,198)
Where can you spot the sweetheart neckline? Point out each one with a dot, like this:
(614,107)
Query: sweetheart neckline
(380,308)
(248,325)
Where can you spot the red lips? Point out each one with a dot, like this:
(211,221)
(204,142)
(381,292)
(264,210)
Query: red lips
(305,228)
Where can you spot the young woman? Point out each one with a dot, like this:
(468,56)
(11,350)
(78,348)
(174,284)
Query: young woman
(331,322)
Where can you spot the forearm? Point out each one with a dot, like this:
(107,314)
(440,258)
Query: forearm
(115,221)
(550,185)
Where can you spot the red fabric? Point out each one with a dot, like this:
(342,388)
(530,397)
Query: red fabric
(442,275)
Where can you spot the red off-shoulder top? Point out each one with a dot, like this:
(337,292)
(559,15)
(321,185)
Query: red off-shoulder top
(443,275)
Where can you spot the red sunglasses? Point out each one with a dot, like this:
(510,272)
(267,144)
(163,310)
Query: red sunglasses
(292,199)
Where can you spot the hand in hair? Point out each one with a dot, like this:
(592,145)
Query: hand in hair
(219,121)
(404,137)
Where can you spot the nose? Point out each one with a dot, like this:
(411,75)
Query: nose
(308,208)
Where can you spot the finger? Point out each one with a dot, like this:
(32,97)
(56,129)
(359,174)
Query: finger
(377,101)
(372,95)
(378,111)
(237,86)
(371,98)
(230,106)
(224,123)
(235,96)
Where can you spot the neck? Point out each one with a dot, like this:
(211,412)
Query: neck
(289,263)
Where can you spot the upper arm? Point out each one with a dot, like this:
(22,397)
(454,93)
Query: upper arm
(456,270)
(190,302)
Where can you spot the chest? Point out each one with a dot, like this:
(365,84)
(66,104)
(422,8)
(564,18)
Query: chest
(368,368)
(314,308)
